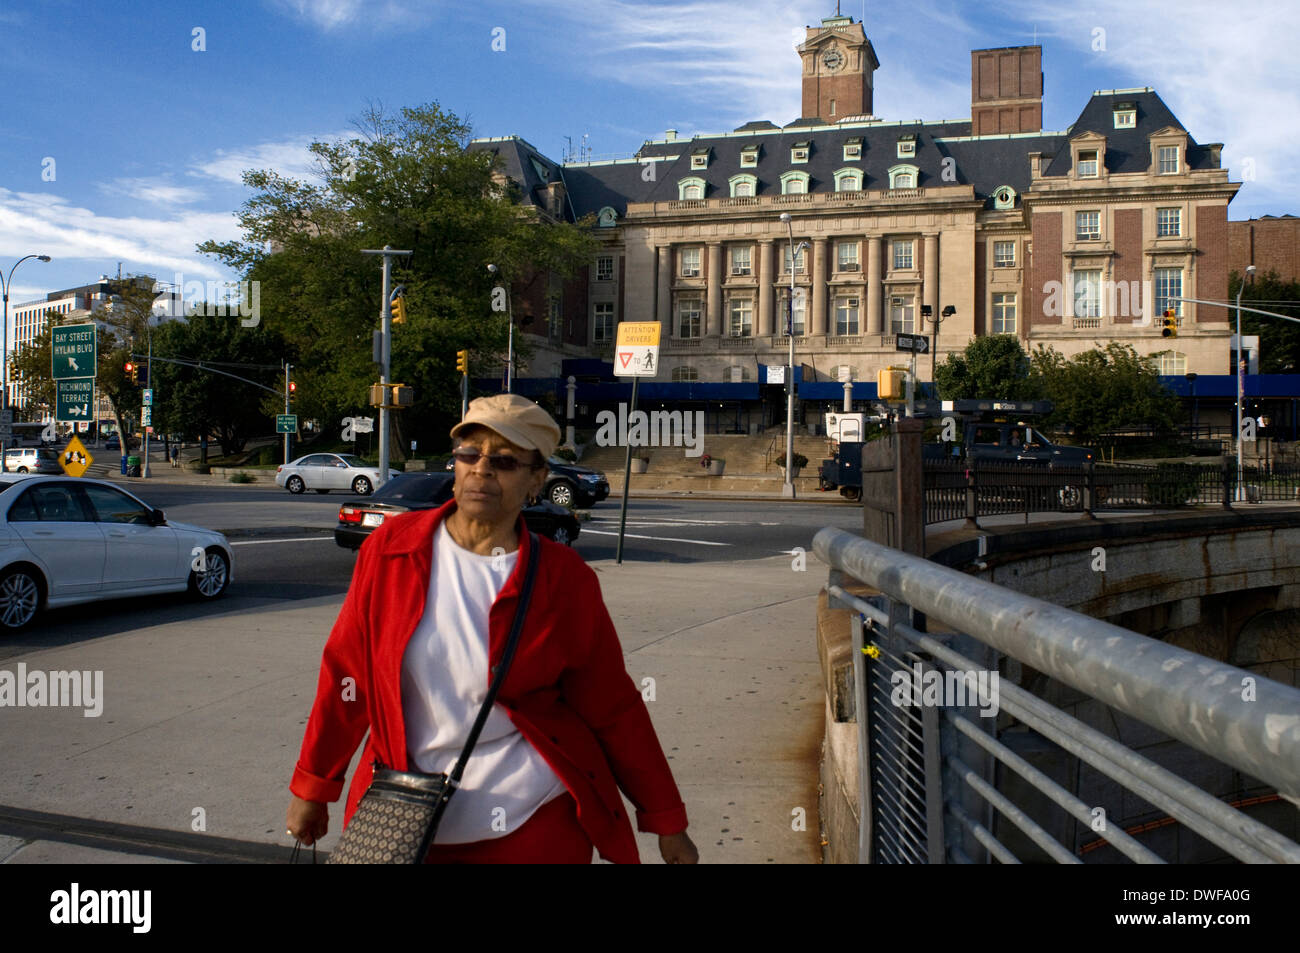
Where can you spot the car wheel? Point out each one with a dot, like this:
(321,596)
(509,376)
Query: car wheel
(22,469)
(20,598)
(212,582)
(361,486)
(851,493)
(294,484)
(561,493)
(322,492)
(562,535)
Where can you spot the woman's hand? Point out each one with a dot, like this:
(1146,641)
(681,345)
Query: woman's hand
(308,821)
(678,849)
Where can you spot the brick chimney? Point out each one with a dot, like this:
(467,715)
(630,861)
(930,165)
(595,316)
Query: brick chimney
(1006,90)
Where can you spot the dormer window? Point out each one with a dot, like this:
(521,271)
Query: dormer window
(1088,164)
(794,183)
(799,152)
(743,186)
(749,157)
(848,180)
(1004,198)
(1168,158)
(692,188)
(906,146)
(853,149)
(699,159)
(1126,115)
(903,177)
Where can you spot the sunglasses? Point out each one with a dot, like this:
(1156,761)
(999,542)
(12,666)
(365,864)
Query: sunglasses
(504,462)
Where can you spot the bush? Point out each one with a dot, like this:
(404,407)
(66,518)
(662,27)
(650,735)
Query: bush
(267,456)
(800,461)
(242,477)
(1172,485)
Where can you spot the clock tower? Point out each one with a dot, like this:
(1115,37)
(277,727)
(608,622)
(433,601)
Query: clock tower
(838,63)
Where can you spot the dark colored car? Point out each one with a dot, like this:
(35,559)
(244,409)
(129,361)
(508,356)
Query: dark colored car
(428,491)
(569,484)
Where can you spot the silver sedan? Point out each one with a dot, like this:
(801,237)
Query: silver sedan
(323,472)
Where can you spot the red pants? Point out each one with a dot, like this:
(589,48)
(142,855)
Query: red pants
(551,836)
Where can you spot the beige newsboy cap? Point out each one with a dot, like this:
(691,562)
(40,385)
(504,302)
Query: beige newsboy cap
(516,418)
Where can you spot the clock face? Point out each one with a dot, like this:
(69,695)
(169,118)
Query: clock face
(832,59)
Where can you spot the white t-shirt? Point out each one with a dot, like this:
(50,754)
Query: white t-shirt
(444,682)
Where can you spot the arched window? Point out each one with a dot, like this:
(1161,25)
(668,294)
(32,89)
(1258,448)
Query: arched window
(903,176)
(794,183)
(1173,363)
(684,372)
(691,188)
(1004,197)
(848,180)
(743,186)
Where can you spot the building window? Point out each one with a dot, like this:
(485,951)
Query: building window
(684,372)
(742,317)
(800,311)
(688,317)
(555,320)
(739,373)
(700,159)
(1172,364)
(799,152)
(846,316)
(853,149)
(848,180)
(740,260)
(749,157)
(847,256)
(743,186)
(1088,164)
(906,146)
(902,254)
(1169,288)
(800,260)
(1004,198)
(690,258)
(902,315)
(602,322)
(1169,222)
(1004,254)
(605,268)
(903,177)
(1168,160)
(794,183)
(1087,226)
(692,188)
(1087,294)
(1125,115)
(1004,313)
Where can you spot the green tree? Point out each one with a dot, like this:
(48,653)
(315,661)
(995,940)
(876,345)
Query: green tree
(406,181)
(993,366)
(1103,389)
(1279,341)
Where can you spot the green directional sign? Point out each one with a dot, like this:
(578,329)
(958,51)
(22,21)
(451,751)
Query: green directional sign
(286,423)
(72,351)
(74,399)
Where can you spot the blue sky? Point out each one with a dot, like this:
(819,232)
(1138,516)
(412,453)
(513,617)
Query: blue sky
(148,136)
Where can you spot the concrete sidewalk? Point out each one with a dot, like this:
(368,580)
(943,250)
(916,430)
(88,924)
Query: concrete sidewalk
(204,718)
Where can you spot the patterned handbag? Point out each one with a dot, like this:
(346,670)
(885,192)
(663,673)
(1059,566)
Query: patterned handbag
(398,816)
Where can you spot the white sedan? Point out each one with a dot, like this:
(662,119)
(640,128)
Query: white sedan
(65,541)
(323,472)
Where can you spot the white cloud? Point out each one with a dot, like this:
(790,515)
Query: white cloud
(289,157)
(157,191)
(330,15)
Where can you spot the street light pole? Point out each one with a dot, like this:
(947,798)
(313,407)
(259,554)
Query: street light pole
(510,339)
(787,489)
(1241,376)
(4,340)
(385,351)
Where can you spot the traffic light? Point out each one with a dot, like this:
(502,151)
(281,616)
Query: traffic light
(293,390)
(133,371)
(462,361)
(1170,329)
(398,306)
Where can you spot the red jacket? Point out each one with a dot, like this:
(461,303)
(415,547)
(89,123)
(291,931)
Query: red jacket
(567,690)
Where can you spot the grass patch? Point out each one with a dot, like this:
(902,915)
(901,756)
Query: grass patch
(242,477)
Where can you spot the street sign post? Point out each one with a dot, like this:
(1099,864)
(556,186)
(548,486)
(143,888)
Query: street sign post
(916,343)
(74,399)
(148,396)
(636,352)
(286,423)
(75,458)
(146,416)
(363,424)
(72,351)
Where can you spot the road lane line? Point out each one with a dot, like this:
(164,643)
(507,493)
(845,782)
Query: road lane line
(296,539)
(662,539)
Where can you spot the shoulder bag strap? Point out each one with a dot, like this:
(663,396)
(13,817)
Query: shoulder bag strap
(525,596)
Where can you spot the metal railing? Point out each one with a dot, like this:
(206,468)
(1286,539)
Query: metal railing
(939,783)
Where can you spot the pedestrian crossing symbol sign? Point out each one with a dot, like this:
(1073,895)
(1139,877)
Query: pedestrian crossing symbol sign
(75,458)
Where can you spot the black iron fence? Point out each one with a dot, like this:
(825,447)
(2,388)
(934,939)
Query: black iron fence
(958,490)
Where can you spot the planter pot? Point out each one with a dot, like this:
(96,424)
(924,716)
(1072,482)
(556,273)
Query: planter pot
(640,465)
(716,467)
(794,474)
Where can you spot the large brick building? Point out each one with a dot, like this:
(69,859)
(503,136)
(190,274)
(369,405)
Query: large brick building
(1070,239)
(1270,243)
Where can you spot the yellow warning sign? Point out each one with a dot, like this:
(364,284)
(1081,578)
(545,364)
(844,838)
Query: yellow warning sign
(638,334)
(75,458)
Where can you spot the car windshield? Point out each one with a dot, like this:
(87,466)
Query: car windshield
(351,460)
(416,488)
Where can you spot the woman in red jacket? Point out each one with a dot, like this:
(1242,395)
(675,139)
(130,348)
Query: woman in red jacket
(410,659)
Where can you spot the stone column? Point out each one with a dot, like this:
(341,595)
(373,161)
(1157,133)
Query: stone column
(765,296)
(873,289)
(930,290)
(664,294)
(713,293)
(818,276)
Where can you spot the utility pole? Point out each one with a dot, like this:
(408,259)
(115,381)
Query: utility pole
(288,369)
(385,352)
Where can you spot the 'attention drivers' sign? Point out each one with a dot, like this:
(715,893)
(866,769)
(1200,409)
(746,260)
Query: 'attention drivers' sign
(636,353)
